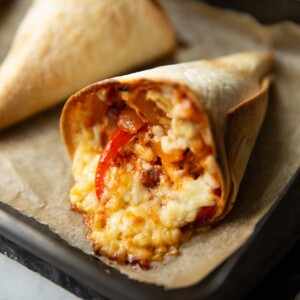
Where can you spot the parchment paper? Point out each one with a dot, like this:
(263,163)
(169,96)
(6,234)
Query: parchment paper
(35,173)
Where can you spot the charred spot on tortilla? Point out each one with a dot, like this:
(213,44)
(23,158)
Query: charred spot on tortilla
(150,178)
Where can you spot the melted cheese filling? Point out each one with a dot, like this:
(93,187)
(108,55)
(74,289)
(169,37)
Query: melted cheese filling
(136,222)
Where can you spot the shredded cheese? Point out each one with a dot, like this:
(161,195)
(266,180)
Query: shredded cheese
(136,221)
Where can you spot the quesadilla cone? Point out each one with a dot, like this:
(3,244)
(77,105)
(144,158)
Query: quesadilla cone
(181,133)
(61,46)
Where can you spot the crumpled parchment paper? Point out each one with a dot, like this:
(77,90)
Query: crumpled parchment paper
(35,175)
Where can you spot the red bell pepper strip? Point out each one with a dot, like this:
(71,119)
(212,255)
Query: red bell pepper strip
(117,140)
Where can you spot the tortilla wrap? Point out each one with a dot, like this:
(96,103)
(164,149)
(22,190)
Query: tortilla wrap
(61,46)
(208,114)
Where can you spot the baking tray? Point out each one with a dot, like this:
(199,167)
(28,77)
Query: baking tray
(273,236)
(232,279)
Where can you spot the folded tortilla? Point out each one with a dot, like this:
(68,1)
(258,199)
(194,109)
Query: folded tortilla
(160,153)
(61,46)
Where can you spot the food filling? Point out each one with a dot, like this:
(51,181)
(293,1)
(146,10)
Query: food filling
(145,173)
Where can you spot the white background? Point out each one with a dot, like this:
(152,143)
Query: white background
(18,282)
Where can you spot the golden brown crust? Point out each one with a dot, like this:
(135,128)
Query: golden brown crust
(62,46)
(244,121)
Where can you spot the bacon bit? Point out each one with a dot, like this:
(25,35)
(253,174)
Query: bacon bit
(204,215)
(217,192)
(113,112)
(150,178)
(192,165)
(205,212)
(158,161)
(124,154)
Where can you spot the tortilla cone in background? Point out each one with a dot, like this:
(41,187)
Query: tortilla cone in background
(225,99)
(61,46)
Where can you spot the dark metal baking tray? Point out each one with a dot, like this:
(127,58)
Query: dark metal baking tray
(273,236)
